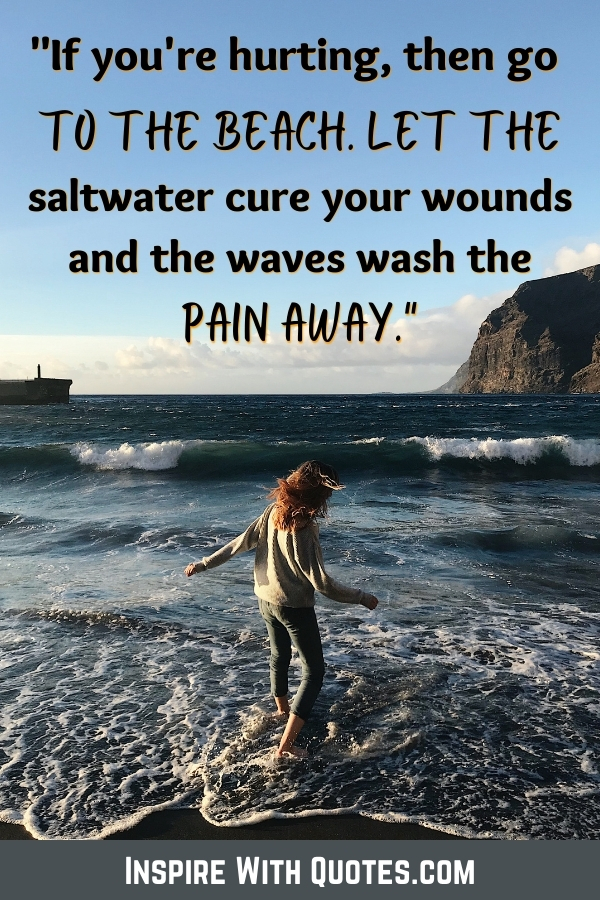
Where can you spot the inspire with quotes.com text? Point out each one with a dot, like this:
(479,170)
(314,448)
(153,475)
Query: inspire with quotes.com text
(280,132)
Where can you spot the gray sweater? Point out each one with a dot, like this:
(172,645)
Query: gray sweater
(288,567)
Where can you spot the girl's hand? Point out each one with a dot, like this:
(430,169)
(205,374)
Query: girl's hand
(370,601)
(191,569)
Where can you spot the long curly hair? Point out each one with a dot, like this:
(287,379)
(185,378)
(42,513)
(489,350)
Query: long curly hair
(303,495)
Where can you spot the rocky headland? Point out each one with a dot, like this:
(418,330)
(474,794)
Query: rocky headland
(545,339)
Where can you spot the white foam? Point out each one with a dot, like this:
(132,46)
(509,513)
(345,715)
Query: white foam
(114,720)
(587,764)
(456,830)
(154,456)
(524,451)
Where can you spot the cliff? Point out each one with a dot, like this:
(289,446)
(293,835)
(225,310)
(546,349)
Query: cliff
(587,381)
(454,384)
(545,339)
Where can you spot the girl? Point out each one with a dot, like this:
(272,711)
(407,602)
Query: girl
(288,568)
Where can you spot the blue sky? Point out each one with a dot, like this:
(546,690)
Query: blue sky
(124,332)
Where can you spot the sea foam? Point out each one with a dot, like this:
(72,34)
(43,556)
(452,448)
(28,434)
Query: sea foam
(150,456)
(524,451)
(155,456)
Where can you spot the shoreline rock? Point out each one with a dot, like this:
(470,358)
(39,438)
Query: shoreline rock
(545,339)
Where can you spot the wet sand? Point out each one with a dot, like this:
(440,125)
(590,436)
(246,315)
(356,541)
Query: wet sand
(190,825)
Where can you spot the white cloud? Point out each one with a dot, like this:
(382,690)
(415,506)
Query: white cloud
(434,343)
(447,334)
(569,260)
(159,353)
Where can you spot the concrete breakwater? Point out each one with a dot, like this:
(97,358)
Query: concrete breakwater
(34,391)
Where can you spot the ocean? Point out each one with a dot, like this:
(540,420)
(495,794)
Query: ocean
(467,701)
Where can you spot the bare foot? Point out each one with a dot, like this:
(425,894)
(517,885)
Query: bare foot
(292,753)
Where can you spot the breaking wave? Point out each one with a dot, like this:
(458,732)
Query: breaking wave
(151,456)
(523,451)
(367,452)
(234,459)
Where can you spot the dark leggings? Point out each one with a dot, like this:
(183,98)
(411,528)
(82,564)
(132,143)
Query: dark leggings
(289,625)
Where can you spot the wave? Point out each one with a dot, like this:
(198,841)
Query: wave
(149,623)
(523,451)
(223,457)
(521,538)
(225,460)
(15,521)
(152,457)
(56,536)
(22,461)
(83,619)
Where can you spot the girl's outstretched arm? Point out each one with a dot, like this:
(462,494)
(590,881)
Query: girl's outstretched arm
(310,560)
(241,544)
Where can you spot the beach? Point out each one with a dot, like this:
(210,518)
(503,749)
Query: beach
(136,702)
(190,825)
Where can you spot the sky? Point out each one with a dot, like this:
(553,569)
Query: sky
(124,332)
